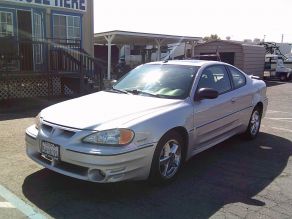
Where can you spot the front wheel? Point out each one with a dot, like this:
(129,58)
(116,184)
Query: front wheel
(167,158)
(254,124)
(283,77)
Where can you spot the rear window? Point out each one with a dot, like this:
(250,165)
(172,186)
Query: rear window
(238,78)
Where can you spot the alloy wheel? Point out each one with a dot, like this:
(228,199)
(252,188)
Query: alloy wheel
(255,123)
(170,158)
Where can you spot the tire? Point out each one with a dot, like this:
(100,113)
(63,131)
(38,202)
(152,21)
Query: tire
(254,125)
(283,77)
(167,159)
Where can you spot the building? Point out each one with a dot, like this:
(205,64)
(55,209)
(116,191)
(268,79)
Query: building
(42,38)
(136,47)
(135,54)
(246,56)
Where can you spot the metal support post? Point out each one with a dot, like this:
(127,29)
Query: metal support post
(158,43)
(109,40)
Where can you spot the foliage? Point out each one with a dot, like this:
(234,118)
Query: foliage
(211,37)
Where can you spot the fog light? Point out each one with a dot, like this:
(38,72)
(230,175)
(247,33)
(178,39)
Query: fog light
(96,175)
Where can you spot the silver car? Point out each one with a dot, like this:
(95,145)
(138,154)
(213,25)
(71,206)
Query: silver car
(155,118)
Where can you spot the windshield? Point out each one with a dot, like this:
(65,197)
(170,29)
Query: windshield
(159,80)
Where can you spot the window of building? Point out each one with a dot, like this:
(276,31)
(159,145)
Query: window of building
(38,32)
(238,78)
(215,77)
(38,36)
(60,27)
(6,24)
(66,27)
(73,27)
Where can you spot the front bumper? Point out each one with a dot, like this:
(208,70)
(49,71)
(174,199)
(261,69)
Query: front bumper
(131,165)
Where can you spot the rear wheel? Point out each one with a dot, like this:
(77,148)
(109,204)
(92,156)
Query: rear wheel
(167,159)
(254,124)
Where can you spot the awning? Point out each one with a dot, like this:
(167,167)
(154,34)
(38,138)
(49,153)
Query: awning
(118,37)
(125,38)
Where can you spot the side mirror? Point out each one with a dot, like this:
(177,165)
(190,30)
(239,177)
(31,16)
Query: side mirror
(113,82)
(206,93)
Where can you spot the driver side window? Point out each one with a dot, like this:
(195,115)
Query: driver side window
(215,77)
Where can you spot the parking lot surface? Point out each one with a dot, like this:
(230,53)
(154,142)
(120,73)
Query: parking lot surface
(235,179)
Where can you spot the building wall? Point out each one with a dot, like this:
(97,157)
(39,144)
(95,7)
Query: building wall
(100,52)
(88,30)
(249,58)
(221,46)
(254,60)
(47,12)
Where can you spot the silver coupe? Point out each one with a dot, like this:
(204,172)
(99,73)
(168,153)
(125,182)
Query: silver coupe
(152,120)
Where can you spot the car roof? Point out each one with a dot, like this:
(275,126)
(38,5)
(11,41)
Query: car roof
(191,62)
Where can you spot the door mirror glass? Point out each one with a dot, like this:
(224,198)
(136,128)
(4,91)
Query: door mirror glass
(206,93)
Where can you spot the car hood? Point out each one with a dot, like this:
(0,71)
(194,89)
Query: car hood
(91,111)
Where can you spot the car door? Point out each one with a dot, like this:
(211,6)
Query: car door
(242,96)
(214,119)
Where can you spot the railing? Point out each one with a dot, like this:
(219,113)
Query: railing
(50,57)
(38,56)
(64,56)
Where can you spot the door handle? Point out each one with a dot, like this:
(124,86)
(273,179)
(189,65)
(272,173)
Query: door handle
(233,100)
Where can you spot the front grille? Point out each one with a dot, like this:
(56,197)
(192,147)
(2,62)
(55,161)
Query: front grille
(67,133)
(72,168)
(48,129)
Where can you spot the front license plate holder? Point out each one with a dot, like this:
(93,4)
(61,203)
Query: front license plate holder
(50,150)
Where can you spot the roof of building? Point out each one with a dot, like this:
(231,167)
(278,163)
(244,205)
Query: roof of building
(240,43)
(191,62)
(138,38)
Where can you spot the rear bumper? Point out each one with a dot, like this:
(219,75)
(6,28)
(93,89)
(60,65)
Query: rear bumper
(133,165)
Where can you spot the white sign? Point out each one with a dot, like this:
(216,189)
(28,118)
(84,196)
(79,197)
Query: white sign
(80,5)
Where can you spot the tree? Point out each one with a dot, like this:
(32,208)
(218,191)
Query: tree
(211,37)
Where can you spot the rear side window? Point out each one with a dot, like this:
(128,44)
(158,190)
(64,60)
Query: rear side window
(238,78)
(215,77)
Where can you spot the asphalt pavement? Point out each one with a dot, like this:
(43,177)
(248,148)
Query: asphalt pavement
(235,179)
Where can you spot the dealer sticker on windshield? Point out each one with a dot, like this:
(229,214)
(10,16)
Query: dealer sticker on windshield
(50,150)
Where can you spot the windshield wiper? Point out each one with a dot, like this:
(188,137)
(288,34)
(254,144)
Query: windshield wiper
(118,90)
(137,92)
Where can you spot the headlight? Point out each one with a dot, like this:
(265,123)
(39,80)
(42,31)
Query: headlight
(110,137)
(37,121)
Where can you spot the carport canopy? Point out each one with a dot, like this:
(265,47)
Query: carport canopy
(118,37)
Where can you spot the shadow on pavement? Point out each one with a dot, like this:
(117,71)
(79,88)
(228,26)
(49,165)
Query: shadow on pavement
(271,83)
(25,108)
(233,171)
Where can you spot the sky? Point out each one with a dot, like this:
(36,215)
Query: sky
(239,19)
